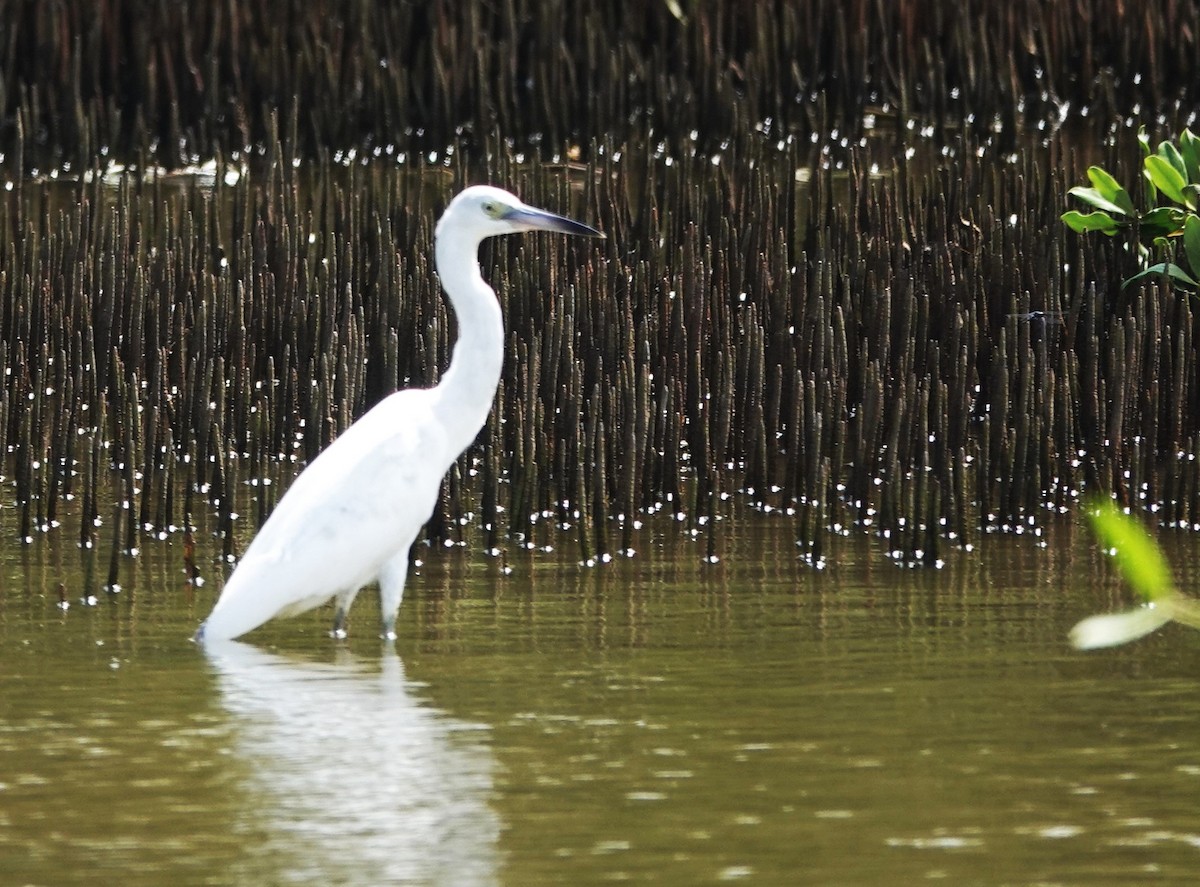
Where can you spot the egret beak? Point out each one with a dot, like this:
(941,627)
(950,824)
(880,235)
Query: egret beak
(526,218)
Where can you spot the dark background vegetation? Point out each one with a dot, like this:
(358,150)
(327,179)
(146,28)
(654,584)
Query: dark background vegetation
(207,77)
(835,284)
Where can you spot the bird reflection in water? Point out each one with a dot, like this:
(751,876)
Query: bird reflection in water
(356,779)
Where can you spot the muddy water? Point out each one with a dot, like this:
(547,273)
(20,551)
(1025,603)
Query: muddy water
(657,719)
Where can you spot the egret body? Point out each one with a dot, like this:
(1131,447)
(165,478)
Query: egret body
(354,512)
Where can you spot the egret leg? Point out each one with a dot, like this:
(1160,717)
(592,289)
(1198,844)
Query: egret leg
(344,600)
(391,591)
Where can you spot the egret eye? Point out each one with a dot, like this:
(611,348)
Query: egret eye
(492,209)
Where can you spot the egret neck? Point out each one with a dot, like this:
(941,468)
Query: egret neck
(468,387)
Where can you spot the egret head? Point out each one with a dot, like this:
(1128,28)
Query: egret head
(483,211)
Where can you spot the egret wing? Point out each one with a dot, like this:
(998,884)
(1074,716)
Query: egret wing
(359,502)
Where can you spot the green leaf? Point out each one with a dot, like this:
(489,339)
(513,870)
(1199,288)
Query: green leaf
(1165,177)
(1143,138)
(1191,242)
(1171,154)
(1165,220)
(1189,149)
(1110,189)
(1170,269)
(1151,191)
(1096,199)
(1138,556)
(1084,222)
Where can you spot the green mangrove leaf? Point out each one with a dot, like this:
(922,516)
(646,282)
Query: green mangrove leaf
(1165,220)
(1095,198)
(1191,242)
(1191,193)
(1138,556)
(1171,154)
(1170,269)
(1165,177)
(1143,138)
(1113,629)
(1110,189)
(1151,192)
(1189,149)
(1084,222)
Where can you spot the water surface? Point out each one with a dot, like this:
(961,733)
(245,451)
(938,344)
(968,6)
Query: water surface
(657,719)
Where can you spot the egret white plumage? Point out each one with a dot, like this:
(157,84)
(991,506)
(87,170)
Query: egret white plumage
(354,512)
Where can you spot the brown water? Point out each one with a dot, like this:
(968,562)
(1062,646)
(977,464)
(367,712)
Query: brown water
(657,720)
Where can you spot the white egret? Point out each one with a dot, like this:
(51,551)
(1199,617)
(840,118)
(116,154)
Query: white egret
(352,515)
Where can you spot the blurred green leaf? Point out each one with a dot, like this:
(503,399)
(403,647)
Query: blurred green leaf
(1084,222)
(1142,563)
(1138,556)
(1185,610)
(1112,629)
(1166,178)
